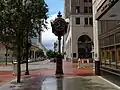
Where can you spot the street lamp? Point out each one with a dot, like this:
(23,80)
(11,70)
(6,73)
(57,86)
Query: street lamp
(28,45)
(59,28)
(55,46)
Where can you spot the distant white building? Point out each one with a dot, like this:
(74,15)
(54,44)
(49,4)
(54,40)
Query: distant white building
(37,41)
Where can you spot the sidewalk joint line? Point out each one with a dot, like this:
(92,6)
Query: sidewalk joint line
(109,82)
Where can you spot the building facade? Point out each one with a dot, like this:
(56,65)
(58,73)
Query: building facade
(5,54)
(79,38)
(37,41)
(106,18)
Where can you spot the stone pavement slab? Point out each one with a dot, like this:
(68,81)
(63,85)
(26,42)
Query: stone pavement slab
(61,83)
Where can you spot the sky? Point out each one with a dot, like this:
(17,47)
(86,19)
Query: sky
(48,38)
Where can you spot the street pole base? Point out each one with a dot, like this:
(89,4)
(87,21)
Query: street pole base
(59,65)
(59,72)
(97,68)
(27,72)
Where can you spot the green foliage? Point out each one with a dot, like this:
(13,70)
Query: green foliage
(21,20)
(51,54)
(24,18)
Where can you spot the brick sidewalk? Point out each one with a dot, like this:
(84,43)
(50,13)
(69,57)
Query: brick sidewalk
(6,76)
(69,69)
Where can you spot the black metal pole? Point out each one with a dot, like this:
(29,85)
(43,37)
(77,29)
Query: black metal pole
(6,54)
(59,66)
(97,67)
(59,39)
(27,52)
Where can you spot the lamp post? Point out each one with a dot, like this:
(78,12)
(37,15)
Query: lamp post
(59,28)
(28,45)
(55,46)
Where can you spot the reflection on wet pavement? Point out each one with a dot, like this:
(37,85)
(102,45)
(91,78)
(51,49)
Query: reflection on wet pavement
(49,84)
(65,83)
(78,83)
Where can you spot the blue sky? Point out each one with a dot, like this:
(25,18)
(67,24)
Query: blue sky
(55,6)
(48,38)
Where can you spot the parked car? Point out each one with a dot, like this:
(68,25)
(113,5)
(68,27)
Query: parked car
(29,60)
(23,61)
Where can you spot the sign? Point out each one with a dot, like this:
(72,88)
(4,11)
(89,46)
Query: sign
(104,7)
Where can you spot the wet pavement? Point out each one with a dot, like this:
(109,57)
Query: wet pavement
(61,83)
(44,78)
(75,83)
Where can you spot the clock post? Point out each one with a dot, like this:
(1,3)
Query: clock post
(59,28)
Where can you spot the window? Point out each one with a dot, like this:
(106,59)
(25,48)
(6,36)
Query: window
(77,20)
(85,0)
(91,21)
(111,39)
(86,21)
(119,56)
(117,38)
(77,9)
(90,9)
(85,9)
(74,55)
(113,56)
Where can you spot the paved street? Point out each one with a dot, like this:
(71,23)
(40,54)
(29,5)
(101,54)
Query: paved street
(44,78)
(33,65)
(6,72)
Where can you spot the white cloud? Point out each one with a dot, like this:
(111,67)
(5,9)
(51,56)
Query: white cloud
(48,38)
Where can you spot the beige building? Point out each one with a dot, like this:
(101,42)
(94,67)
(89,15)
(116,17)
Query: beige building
(33,51)
(4,52)
(79,38)
(106,19)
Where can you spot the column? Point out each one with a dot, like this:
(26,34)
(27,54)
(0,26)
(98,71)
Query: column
(34,54)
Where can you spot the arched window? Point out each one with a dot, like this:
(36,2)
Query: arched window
(84,47)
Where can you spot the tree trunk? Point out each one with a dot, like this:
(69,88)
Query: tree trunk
(27,52)
(6,54)
(18,65)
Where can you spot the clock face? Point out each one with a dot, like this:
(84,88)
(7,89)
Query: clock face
(59,25)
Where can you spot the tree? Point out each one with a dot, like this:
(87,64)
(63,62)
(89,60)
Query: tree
(21,19)
(51,54)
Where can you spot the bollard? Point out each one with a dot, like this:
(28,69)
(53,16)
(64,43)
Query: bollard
(88,61)
(14,68)
(82,60)
(79,63)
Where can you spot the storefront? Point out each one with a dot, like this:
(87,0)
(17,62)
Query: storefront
(108,17)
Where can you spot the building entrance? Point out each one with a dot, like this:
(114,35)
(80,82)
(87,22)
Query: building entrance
(84,47)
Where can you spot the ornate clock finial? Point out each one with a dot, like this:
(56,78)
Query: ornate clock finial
(59,14)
